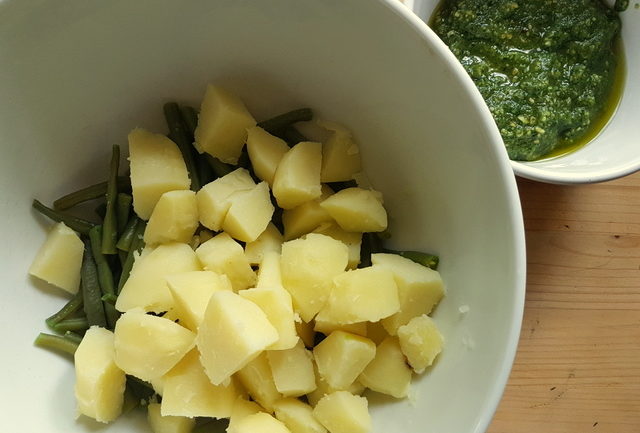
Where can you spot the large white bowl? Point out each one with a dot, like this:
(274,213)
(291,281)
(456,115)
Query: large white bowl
(614,152)
(76,76)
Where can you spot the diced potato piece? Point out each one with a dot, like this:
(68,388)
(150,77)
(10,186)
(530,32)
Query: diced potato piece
(168,424)
(353,240)
(327,326)
(420,342)
(305,218)
(388,373)
(376,332)
(342,356)
(241,409)
(419,288)
(146,287)
(222,125)
(257,379)
(323,388)
(360,295)
(357,210)
(156,167)
(340,155)
(343,412)
(275,302)
(260,422)
(191,292)
(174,218)
(265,152)
(269,240)
(100,383)
(269,273)
(292,370)
(224,255)
(233,332)
(59,259)
(249,214)
(297,177)
(297,416)
(308,266)
(148,346)
(188,391)
(306,332)
(213,198)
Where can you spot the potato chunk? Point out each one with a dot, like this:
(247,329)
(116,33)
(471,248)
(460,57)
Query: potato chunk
(222,125)
(353,240)
(213,198)
(156,167)
(174,218)
(249,213)
(297,177)
(269,240)
(148,346)
(323,388)
(343,412)
(342,356)
(100,383)
(233,332)
(260,422)
(421,342)
(305,218)
(292,370)
(224,255)
(327,326)
(388,373)
(146,287)
(59,259)
(308,266)
(340,155)
(242,408)
(357,210)
(168,424)
(265,152)
(257,379)
(297,416)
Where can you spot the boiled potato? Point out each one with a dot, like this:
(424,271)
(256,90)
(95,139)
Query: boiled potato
(343,412)
(234,331)
(388,373)
(168,424)
(213,198)
(224,255)
(357,210)
(323,388)
(269,273)
(292,370)
(257,379)
(353,240)
(249,214)
(265,152)
(305,218)
(420,342)
(297,416)
(340,155)
(342,356)
(100,382)
(240,410)
(222,125)
(156,167)
(297,178)
(260,422)
(59,259)
(327,327)
(269,240)
(174,218)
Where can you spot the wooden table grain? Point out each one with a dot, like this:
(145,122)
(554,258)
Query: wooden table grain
(577,368)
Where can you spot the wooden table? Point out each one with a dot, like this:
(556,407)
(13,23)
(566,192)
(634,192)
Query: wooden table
(578,364)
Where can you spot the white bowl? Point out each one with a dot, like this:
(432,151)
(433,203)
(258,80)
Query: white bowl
(614,152)
(78,76)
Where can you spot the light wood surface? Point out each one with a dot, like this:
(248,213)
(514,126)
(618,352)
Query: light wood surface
(577,368)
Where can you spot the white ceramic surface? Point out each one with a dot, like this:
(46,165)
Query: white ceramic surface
(76,76)
(615,151)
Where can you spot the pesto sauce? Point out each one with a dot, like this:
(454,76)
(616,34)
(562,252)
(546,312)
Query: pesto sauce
(546,68)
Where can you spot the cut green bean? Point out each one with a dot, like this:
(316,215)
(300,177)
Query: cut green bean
(56,342)
(141,389)
(178,133)
(189,119)
(371,244)
(110,225)
(137,244)
(124,243)
(105,274)
(74,223)
(101,210)
(91,192)
(219,168)
(291,135)
(429,260)
(73,337)
(93,306)
(77,324)
(339,186)
(74,304)
(110,298)
(124,202)
(281,121)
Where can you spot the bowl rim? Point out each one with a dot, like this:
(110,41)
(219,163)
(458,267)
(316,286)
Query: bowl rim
(530,171)
(494,396)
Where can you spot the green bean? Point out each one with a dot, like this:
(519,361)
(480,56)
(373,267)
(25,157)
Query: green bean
(89,193)
(281,121)
(56,342)
(110,225)
(124,243)
(429,260)
(74,223)
(141,389)
(189,119)
(179,134)
(339,186)
(77,324)
(124,202)
(291,135)
(371,244)
(105,275)
(136,246)
(72,336)
(110,298)
(101,210)
(219,168)
(93,306)
(69,308)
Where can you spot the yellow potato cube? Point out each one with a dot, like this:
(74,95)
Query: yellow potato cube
(419,288)
(213,198)
(388,373)
(269,240)
(222,125)
(307,217)
(156,167)
(275,302)
(100,383)
(257,379)
(168,424)
(265,152)
(297,178)
(308,266)
(292,370)
(361,295)
(191,292)
(240,410)
(306,332)
(249,214)
(59,259)
(297,416)
(148,346)
(321,324)
(421,342)
(342,356)
(260,422)
(224,255)
(146,287)
(357,210)
(323,388)
(343,412)
(353,240)
(174,218)
(269,273)
(233,332)
(340,155)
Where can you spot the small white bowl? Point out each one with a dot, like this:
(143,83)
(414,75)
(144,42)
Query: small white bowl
(615,151)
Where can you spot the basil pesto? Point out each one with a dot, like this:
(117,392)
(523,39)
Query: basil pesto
(546,68)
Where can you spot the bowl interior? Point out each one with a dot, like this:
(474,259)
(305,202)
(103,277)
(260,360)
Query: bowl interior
(78,76)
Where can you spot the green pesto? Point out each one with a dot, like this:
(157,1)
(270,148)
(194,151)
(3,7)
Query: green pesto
(546,68)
